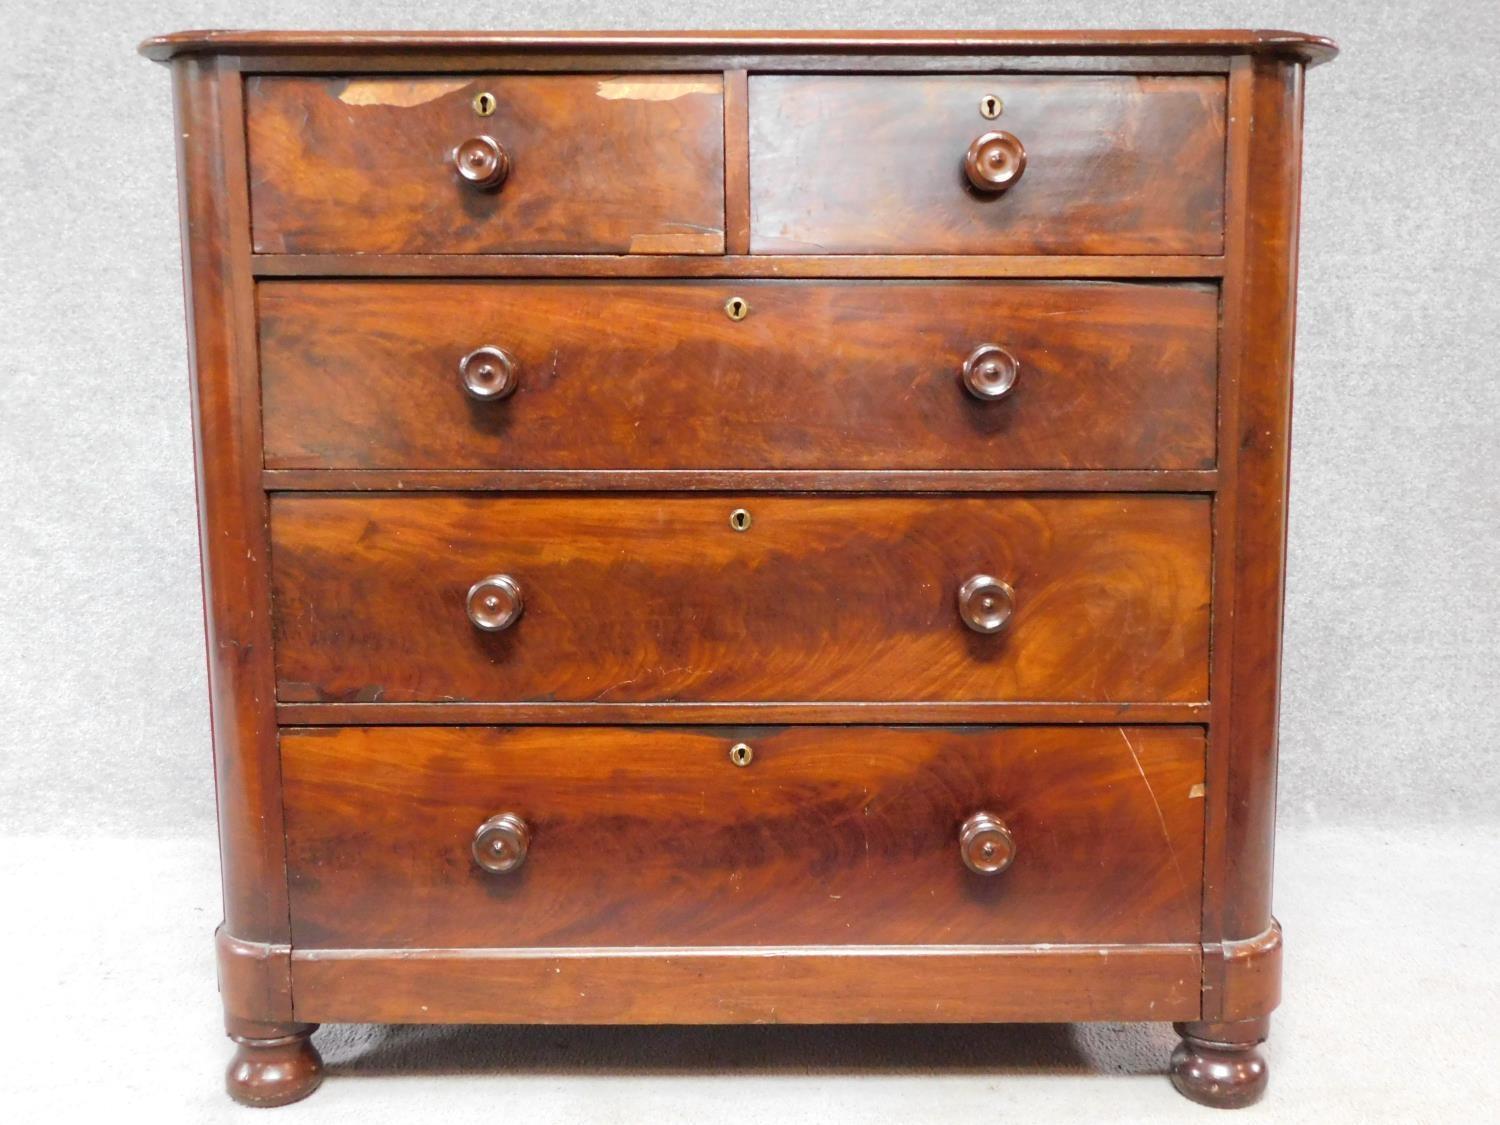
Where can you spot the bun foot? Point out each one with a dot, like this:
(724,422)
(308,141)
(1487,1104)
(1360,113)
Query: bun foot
(1219,1065)
(278,1070)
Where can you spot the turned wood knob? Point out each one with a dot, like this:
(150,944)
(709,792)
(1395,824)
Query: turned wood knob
(482,162)
(494,603)
(985,603)
(990,372)
(986,845)
(488,374)
(995,162)
(501,843)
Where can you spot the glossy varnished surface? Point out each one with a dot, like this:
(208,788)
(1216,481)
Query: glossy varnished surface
(874,164)
(653,837)
(600,164)
(657,598)
(232,529)
(819,176)
(818,375)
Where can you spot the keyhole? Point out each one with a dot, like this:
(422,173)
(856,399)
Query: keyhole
(736,308)
(484,104)
(740,754)
(990,107)
(739,519)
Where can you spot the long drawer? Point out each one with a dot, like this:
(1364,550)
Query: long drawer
(815,375)
(439,597)
(472,164)
(657,837)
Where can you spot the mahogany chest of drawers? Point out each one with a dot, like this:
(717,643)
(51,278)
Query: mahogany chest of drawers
(717,528)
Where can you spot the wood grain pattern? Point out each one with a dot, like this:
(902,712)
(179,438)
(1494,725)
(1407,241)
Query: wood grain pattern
(736,162)
(830,836)
(851,375)
(1132,491)
(657,598)
(872,164)
(600,163)
(915,984)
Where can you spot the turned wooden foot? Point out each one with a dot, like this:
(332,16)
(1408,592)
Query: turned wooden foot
(1219,1064)
(274,1066)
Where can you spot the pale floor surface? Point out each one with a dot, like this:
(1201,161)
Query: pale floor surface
(1392,986)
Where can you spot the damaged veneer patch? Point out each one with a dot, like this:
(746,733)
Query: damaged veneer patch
(655,88)
(401,92)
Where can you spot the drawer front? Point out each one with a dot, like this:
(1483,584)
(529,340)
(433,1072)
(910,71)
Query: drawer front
(829,835)
(643,599)
(870,164)
(596,164)
(817,375)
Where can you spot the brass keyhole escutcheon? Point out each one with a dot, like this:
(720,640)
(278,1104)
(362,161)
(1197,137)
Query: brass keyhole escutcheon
(741,754)
(990,107)
(484,104)
(740,520)
(737,308)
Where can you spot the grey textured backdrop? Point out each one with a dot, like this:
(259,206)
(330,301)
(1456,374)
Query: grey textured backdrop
(1391,683)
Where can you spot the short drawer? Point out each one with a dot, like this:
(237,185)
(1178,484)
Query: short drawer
(1070,164)
(400,598)
(591,163)
(814,375)
(656,837)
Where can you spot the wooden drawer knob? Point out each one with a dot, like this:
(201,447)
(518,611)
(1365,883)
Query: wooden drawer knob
(986,845)
(488,374)
(482,162)
(501,843)
(990,372)
(995,162)
(985,603)
(494,603)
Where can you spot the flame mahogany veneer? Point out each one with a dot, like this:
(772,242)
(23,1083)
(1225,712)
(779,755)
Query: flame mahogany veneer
(718,528)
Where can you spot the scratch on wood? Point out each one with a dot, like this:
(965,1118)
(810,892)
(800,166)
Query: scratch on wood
(1160,816)
(403,92)
(663,88)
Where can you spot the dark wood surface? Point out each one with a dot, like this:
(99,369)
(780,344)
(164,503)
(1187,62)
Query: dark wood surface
(1260,301)
(850,375)
(658,598)
(829,836)
(874,164)
(1310,49)
(734,264)
(781,711)
(276,1066)
(801,985)
(1217,1063)
(600,163)
(734,480)
(232,535)
(1130,489)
